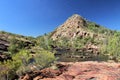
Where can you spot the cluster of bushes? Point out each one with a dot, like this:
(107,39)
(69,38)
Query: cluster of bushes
(16,45)
(23,61)
(112,46)
(45,42)
(98,29)
(24,56)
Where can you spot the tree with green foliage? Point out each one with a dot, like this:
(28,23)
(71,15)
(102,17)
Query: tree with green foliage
(112,48)
(20,63)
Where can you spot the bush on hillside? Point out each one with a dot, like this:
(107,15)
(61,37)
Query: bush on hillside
(21,64)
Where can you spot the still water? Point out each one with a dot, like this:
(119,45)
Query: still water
(73,56)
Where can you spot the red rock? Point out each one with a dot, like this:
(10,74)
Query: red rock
(82,71)
(26,77)
(38,78)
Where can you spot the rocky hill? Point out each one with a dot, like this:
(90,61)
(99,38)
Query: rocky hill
(76,40)
(80,36)
(72,28)
(76,26)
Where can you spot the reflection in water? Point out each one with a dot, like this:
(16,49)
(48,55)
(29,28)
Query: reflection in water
(74,56)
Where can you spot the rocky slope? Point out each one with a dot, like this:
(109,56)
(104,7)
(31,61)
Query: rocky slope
(6,40)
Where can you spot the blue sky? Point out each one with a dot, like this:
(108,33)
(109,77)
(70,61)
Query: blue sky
(36,17)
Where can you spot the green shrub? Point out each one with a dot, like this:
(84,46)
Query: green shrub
(44,58)
(112,48)
(21,65)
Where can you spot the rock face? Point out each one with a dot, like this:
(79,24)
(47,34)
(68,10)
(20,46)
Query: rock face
(79,71)
(73,27)
(3,45)
(5,40)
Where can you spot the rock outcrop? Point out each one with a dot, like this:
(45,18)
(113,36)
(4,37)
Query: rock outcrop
(75,26)
(5,42)
(3,45)
(78,71)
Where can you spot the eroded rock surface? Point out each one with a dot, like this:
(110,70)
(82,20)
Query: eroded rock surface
(79,71)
